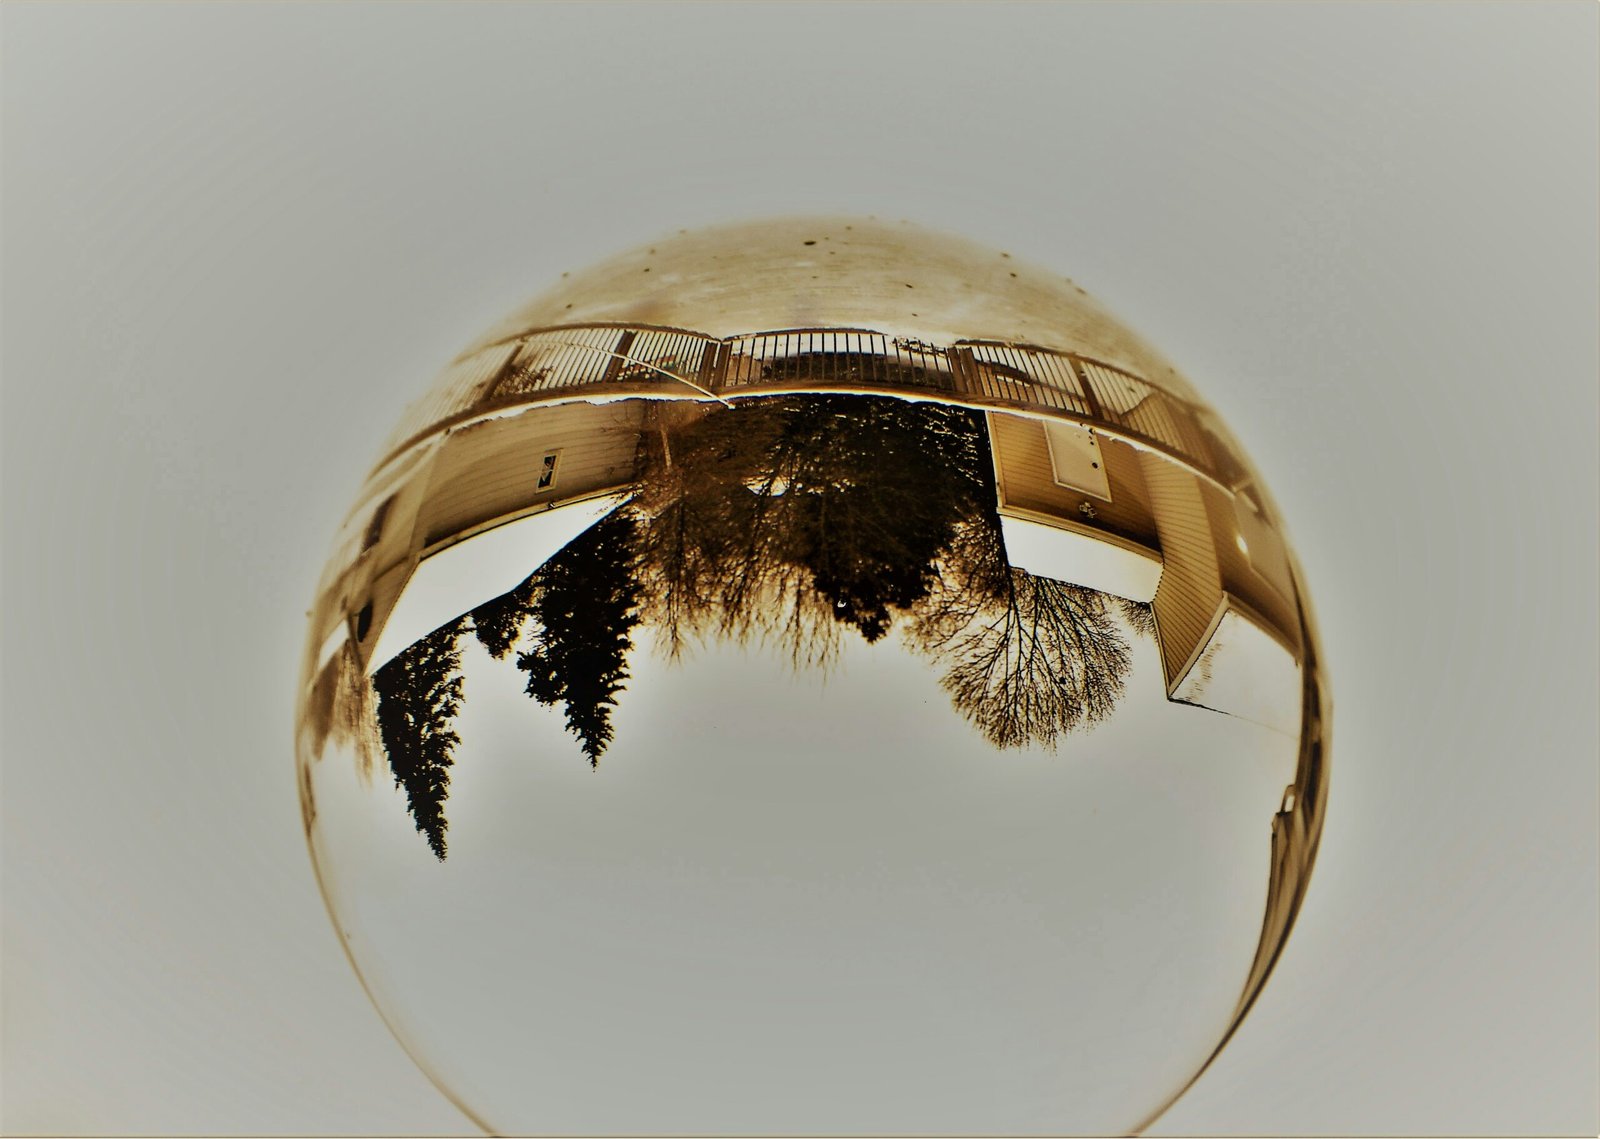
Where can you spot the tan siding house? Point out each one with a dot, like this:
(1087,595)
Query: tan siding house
(1106,534)
(1190,592)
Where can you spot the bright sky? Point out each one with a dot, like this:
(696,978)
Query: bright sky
(772,874)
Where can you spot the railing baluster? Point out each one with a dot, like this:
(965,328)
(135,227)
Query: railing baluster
(547,361)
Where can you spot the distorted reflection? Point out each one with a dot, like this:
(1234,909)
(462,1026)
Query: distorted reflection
(793,520)
(1019,554)
(901,718)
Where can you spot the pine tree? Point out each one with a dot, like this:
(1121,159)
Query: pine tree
(499,622)
(586,607)
(419,694)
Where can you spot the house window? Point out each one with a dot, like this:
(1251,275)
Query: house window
(547,470)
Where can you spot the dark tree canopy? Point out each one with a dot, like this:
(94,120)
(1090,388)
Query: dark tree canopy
(782,514)
(419,694)
(585,608)
(879,487)
(498,622)
(698,503)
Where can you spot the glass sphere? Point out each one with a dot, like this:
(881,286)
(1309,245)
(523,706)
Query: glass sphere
(812,677)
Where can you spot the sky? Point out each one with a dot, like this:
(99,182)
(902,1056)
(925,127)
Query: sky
(810,902)
(238,239)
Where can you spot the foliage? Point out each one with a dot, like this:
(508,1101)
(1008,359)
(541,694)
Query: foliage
(585,607)
(419,693)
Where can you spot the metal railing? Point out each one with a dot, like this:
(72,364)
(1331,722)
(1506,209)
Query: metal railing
(619,360)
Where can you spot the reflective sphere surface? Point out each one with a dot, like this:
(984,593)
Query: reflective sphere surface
(812,677)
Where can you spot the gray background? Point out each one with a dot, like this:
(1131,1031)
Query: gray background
(236,239)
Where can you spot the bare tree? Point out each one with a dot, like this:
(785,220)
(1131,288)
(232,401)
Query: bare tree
(1140,616)
(1029,658)
(1045,661)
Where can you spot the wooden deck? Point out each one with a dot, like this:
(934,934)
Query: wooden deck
(605,361)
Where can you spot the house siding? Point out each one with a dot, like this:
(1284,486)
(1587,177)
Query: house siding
(1026,480)
(489,471)
(1190,592)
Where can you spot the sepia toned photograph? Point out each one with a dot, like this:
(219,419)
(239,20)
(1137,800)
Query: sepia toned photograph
(597,569)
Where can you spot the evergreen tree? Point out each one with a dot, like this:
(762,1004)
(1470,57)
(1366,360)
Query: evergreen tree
(586,607)
(499,622)
(419,694)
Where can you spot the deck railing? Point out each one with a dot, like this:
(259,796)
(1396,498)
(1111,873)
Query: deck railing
(620,360)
